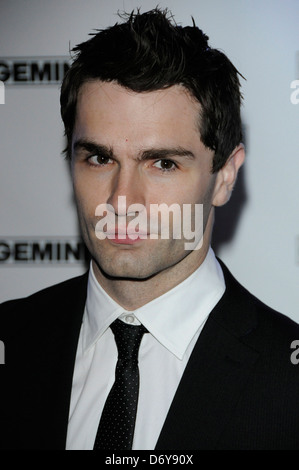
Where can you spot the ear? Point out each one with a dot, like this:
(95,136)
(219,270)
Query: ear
(227,176)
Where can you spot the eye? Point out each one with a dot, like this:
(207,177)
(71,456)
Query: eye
(99,160)
(165,165)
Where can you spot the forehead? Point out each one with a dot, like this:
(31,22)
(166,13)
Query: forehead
(108,108)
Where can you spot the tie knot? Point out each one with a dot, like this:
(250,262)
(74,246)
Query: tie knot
(127,338)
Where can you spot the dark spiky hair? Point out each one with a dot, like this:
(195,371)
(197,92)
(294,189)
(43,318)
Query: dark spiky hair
(149,51)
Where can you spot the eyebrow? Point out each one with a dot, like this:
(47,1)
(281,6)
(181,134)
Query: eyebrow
(92,147)
(153,154)
(148,154)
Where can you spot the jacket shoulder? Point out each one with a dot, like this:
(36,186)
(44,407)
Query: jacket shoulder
(17,312)
(248,313)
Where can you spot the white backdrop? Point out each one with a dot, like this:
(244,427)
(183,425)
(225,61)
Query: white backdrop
(257,233)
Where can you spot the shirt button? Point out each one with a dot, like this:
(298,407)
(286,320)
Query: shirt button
(129,318)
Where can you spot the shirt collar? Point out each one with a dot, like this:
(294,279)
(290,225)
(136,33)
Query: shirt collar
(173,318)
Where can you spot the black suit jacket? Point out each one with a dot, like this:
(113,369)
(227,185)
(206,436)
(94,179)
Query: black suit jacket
(239,390)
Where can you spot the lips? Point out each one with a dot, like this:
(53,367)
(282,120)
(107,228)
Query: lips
(122,235)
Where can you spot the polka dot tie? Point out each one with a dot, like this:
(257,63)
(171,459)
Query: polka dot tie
(116,428)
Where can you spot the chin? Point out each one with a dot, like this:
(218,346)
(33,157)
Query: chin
(136,265)
(125,267)
(124,272)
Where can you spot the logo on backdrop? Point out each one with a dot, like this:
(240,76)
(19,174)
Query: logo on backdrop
(33,70)
(2,93)
(17,251)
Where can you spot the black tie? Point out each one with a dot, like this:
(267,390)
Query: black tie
(116,428)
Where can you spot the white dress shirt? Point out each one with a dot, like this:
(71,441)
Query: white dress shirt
(174,321)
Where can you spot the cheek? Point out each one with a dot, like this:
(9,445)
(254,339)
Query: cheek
(194,193)
(201,192)
(83,197)
(85,191)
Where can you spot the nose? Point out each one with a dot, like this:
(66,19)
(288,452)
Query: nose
(127,188)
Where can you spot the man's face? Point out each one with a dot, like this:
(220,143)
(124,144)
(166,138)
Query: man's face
(146,147)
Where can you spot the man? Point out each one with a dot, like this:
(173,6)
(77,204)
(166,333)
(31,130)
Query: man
(152,117)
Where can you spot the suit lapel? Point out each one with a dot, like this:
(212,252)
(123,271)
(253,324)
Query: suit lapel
(64,348)
(40,365)
(215,376)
